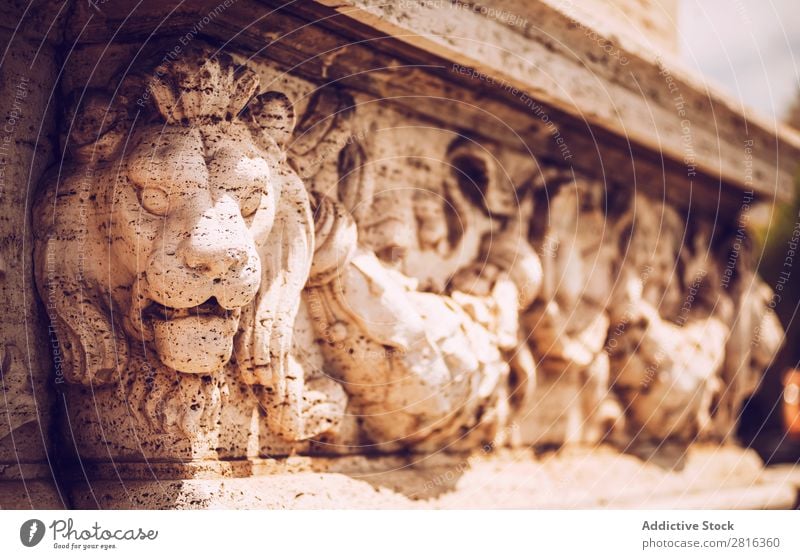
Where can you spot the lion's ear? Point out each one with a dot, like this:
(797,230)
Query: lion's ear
(271,115)
(96,125)
(89,349)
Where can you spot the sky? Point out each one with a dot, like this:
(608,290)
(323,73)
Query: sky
(751,48)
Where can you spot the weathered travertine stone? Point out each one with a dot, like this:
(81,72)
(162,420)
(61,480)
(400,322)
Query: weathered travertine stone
(568,324)
(26,384)
(711,478)
(418,277)
(185,241)
(671,328)
(241,263)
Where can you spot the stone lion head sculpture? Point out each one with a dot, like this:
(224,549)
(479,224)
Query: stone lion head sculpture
(176,233)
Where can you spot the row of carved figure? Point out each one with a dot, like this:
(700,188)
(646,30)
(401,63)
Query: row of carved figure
(219,274)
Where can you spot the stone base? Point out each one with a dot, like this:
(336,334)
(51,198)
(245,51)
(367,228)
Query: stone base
(34,495)
(28,485)
(709,478)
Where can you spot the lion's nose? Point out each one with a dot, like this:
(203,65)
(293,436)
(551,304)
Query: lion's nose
(214,258)
(217,244)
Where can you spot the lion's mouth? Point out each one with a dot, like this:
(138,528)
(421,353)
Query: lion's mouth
(195,339)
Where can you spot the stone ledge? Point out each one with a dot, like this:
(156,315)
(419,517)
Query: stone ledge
(15,471)
(624,114)
(632,100)
(710,478)
(37,494)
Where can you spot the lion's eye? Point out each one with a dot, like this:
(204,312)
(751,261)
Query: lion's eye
(251,202)
(155,201)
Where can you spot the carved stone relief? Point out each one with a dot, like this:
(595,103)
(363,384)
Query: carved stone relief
(249,265)
(186,241)
(568,324)
(679,328)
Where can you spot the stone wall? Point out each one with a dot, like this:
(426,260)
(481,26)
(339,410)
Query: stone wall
(28,108)
(244,261)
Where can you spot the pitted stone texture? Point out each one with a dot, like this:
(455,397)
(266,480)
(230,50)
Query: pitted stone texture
(361,280)
(27,76)
(417,311)
(709,478)
(179,246)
